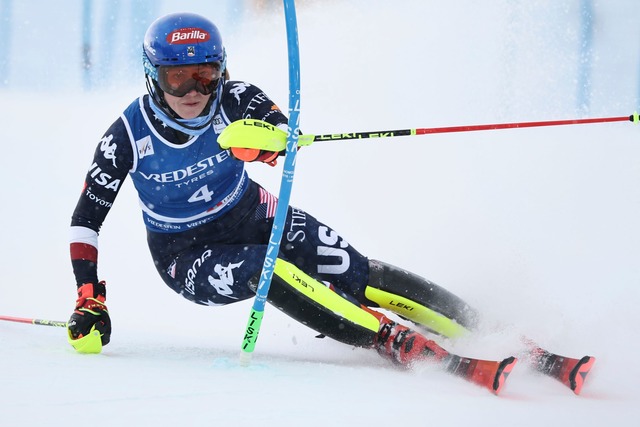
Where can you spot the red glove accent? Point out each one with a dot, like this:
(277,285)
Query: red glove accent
(92,297)
(254,155)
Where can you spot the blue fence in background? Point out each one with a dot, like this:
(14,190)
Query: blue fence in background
(585,61)
(5,41)
(87,43)
(87,14)
(95,43)
(112,39)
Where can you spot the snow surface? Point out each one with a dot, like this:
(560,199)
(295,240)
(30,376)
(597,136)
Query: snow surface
(538,228)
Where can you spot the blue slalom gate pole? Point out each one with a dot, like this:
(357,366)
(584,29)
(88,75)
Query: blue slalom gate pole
(273,248)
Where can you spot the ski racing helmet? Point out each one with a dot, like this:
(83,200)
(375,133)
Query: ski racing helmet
(182,39)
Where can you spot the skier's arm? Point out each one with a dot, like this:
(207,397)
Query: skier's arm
(111,163)
(244,101)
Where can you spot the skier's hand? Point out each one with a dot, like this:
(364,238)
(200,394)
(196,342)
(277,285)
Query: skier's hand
(255,155)
(252,140)
(89,327)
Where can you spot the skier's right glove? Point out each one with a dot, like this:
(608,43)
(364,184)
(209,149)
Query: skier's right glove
(255,155)
(253,140)
(89,327)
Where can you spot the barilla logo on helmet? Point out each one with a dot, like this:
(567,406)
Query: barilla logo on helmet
(188,35)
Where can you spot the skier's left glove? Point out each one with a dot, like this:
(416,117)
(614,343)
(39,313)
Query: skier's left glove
(89,327)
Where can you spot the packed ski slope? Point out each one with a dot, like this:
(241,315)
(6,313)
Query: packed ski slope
(538,228)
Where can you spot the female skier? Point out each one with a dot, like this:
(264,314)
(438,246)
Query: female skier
(208,224)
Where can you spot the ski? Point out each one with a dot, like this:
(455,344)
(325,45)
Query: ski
(404,347)
(569,371)
(490,374)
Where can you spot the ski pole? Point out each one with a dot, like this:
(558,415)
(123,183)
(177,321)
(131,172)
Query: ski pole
(308,139)
(35,321)
(257,310)
(251,131)
(91,343)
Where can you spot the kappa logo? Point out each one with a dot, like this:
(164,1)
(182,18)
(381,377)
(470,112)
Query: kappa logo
(238,89)
(224,283)
(108,149)
(145,147)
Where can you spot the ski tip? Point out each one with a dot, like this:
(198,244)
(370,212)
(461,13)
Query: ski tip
(579,373)
(503,372)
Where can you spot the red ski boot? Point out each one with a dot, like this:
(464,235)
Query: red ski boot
(405,347)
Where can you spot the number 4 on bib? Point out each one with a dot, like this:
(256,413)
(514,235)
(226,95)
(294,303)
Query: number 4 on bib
(202,194)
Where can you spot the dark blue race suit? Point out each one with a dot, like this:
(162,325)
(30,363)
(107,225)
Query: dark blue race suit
(207,222)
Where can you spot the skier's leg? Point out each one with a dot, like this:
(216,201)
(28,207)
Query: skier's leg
(325,255)
(314,304)
(418,300)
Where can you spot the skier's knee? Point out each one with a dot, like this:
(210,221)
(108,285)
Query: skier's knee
(315,305)
(419,300)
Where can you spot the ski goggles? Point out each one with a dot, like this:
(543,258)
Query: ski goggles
(178,80)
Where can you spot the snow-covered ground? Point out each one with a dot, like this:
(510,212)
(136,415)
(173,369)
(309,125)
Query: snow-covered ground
(538,228)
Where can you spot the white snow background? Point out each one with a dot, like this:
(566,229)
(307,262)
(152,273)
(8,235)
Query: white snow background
(538,228)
